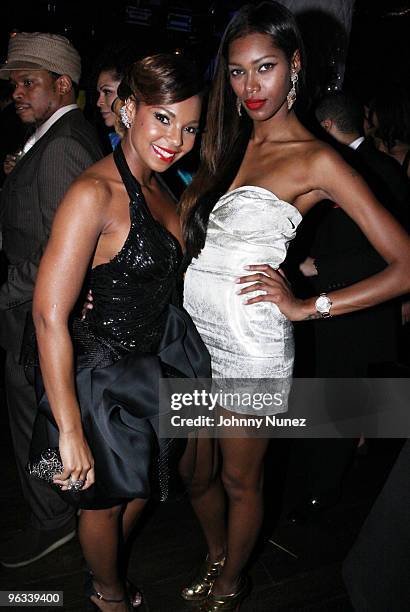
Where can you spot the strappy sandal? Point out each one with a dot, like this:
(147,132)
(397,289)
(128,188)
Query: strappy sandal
(201,586)
(134,594)
(227,603)
(91,591)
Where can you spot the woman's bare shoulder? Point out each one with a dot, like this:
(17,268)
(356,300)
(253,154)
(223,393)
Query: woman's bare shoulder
(316,156)
(103,167)
(312,147)
(305,148)
(319,150)
(96,186)
(327,162)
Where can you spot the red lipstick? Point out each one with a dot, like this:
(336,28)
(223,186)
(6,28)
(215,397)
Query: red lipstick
(253,104)
(166,155)
(167,150)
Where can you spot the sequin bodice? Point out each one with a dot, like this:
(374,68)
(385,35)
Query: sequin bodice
(132,291)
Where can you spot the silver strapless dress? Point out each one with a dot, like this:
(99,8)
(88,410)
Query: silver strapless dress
(248,225)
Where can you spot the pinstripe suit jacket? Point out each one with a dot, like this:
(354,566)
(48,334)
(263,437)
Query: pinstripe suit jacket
(30,196)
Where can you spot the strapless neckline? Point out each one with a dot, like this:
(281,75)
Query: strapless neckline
(262,190)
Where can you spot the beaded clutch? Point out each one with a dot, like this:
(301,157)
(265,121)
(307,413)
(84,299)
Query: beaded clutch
(46,465)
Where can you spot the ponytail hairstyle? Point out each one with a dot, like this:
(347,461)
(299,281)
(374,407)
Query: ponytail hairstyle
(227,134)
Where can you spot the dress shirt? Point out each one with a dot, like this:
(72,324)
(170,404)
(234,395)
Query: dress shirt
(356,143)
(44,127)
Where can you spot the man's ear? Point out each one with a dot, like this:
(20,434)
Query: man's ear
(64,84)
(326,124)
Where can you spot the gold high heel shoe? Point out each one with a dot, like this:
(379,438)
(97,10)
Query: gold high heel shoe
(226,603)
(203,583)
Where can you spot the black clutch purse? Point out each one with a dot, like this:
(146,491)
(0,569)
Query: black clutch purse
(46,465)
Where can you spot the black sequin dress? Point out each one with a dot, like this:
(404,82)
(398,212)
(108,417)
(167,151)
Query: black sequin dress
(135,334)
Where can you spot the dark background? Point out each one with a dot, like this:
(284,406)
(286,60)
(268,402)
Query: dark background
(303,572)
(379,52)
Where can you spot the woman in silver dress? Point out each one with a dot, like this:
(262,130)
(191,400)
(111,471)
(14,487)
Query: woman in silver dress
(262,171)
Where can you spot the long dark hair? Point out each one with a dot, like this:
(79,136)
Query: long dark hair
(227,134)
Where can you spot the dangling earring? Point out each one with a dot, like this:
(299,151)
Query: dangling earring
(239,106)
(291,97)
(124,116)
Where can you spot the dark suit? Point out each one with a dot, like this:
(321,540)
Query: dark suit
(29,199)
(13,134)
(348,344)
(351,345)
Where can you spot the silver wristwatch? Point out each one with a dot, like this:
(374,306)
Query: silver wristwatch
(323,305)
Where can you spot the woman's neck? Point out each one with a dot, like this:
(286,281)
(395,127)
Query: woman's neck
(278,128)
(143,173)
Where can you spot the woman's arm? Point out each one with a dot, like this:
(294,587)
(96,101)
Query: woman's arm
(335,180)
(80,219)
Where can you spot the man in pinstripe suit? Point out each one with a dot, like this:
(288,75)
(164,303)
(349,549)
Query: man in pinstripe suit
(44,70)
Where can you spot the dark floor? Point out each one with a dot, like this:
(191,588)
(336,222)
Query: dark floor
(169,545)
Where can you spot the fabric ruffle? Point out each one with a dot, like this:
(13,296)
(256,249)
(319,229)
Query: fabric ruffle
(120,416)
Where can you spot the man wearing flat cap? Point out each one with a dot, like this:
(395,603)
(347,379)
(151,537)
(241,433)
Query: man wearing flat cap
(44,70)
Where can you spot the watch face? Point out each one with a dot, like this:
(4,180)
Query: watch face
(323,304)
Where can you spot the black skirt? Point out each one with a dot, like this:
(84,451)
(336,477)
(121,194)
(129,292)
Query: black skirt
(120,416)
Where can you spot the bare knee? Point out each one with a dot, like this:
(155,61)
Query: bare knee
(199,485)
(105,514)
(198,468)
(239,485)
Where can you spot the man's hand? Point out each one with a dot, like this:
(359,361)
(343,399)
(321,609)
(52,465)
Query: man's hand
(9,163)
(308,267)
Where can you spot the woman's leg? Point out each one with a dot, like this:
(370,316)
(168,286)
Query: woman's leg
(129,518)
(131,515)
(206,493)
(98,532)
(242,477)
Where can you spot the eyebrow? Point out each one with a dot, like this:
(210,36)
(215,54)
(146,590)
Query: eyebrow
(166,110)
(26,75)
(260,59)
(173,114)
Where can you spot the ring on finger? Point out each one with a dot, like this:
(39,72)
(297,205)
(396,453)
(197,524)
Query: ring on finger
(75,485)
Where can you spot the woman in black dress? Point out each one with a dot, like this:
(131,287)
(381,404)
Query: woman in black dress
(118,233)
